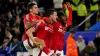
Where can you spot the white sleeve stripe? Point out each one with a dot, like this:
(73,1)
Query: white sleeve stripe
(27,18)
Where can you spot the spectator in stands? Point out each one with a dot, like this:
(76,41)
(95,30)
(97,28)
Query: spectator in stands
(5,49)
(58,4)
(81,15)
(10,19)
(17,25)
(90,48)
(15,3)
(18,48)
(8,34)
(9,5)
(97,42)
(1,33)
(93,7)
(7,41)
(81,43)
(16,11)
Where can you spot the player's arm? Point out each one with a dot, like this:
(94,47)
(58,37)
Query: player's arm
(69,20)
(30,24)
(30,35)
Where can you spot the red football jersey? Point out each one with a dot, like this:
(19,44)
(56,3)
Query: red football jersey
(29,18)
(40,30)
(44,31)
(48,34)
(57,39)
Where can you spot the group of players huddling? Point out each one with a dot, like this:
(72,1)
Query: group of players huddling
(44,36)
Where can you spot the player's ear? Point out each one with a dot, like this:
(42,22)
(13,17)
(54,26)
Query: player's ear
(30,9)
(51,16)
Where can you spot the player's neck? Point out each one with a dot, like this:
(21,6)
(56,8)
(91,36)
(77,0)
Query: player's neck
(32,14)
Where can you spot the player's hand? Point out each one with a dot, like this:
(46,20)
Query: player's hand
(40,43)
(68,4)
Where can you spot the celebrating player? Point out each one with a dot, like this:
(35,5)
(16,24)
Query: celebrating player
(32,24)
(59,27)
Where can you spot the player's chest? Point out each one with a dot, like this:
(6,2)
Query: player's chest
(49,29)
(59,28)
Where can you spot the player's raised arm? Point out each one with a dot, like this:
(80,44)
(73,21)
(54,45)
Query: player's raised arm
(69,18)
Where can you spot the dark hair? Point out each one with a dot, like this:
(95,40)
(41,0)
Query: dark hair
(30,5)
(60,14)
(50,12)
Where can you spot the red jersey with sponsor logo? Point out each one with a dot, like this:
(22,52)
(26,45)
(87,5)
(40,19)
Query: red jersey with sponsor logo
(57,39)
(48,34)
(29,18)
(44,31)
(40,30)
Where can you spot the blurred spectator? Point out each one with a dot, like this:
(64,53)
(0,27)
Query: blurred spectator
(93,7)
(81,43)
(10,19)
(74,4)
(81,15)
(17,22)
(58,4)
(17,11)
(15,42)
(23,10)
(5,49)
(3,20)
(7,41)
(15,3)
(9,5)
(97,42)
(16,27)
(90,48)
(2,33)
(8,34)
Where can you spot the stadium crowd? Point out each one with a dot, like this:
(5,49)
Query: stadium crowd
(12,27)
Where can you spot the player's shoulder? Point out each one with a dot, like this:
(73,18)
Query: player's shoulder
(56,23)
(45,18)
(38,17)
(26,15)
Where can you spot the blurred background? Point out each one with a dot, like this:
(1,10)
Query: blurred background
(12,28)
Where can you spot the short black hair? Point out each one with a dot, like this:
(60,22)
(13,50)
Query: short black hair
(50,12)
(60,14)
(30,5)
